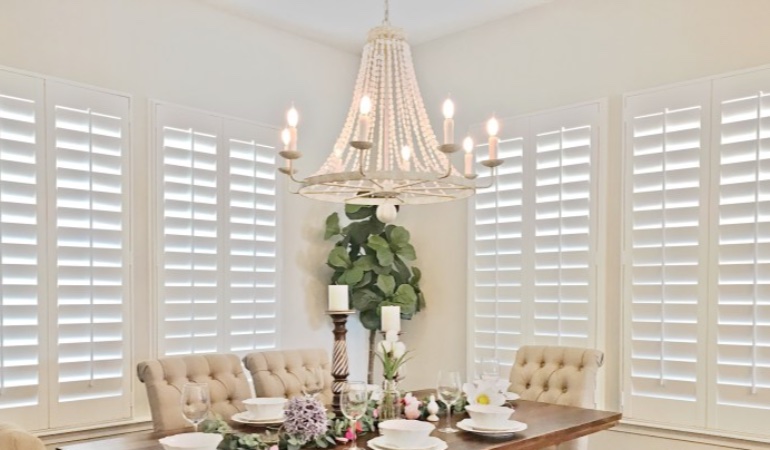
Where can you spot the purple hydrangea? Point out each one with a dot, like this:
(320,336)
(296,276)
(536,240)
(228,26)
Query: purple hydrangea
(305,419)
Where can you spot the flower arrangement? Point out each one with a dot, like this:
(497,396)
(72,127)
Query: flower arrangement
(393,354)
(305,421)
(486,392)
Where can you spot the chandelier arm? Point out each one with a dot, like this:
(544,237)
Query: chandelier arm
(366,194)
(452,188)
(492,179)
(352,191)
(431,195)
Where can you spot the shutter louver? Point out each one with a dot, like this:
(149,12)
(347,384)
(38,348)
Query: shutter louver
(665,255)
(741,191)
(88,133)
(252,227)
(21,293)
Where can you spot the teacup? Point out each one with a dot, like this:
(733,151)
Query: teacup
(265,408)
(191,441)
(405,433)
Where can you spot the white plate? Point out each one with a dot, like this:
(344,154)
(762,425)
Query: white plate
(434,443)
(514,427)
(511,396)
(245,418)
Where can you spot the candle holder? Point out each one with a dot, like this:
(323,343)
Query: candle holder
(340,368)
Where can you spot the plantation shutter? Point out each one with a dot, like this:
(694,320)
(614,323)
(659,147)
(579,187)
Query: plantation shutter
(219,233)
(189,232)
(22,292)
(665,196)
(741,236)
(564,226)
(498,251)
(88,140)
(252,236)
(533,241)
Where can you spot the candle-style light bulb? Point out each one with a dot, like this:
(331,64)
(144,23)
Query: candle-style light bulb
(449,109)
(406,152)
(363,119)
(493,127)
(449,123)
(468,147)
(292,117)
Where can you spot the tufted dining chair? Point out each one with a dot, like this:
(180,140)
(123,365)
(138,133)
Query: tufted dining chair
(165,378)
(14,438)
(560,375)
(288,373)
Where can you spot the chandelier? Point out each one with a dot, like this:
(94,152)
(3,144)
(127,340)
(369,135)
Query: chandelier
(387,153)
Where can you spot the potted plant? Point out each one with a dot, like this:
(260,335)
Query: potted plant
(374,259)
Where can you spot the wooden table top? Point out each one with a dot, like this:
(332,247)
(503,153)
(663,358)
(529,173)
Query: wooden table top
(547,424)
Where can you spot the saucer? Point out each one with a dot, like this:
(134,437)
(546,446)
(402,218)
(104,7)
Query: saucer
(513,427)
(511,396)
(433,443)
(245,418)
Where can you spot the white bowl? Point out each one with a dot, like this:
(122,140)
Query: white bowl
(264,408)
(488,416)
(405,433)
(191,441)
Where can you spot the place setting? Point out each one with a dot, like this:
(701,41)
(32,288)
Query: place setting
(261,411)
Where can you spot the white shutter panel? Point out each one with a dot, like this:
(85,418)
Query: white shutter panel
(564,220)
(189,231)
(497,251)
(741,277)
(252,236)
(22,299)
(88,142)
(665,178)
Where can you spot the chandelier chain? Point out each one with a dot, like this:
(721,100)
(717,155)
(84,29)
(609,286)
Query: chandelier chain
(387,13)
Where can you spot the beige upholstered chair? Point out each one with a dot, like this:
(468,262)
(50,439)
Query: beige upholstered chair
(289,373)
(14,438)
(165,378)
(561,375)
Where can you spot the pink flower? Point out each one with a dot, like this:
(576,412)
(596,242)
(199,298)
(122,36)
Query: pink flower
(273,447)
(376,413)
(349,435)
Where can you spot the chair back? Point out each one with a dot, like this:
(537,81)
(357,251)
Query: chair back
(14,438)
(166,377)
(560,375)
(289,373)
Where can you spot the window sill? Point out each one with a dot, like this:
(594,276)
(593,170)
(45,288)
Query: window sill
(52,438)
(716,438)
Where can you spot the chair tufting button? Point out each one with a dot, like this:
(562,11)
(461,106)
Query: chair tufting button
(542,363)
(527,386)
(564,390)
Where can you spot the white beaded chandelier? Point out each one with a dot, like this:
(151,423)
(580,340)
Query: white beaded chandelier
(387,153)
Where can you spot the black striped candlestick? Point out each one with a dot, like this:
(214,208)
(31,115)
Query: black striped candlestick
(340,369)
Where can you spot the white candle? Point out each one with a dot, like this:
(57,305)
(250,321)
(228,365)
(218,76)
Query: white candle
(390,318)
(292,118)
(468,147)
(449,123)
(338,298)
(493,127)
(363,118)
(286,138)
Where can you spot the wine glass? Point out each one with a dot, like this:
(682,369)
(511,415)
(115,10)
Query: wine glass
(490,369)
(195,402)
(354,400)
(449,391)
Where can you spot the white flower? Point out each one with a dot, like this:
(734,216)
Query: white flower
(399,349)
(391,336)
(484,393)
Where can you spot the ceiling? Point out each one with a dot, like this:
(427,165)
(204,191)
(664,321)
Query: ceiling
(344,23)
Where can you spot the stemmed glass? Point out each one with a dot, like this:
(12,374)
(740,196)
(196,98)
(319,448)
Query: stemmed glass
(449,390)
(490,369)
(354,400)
(195,402)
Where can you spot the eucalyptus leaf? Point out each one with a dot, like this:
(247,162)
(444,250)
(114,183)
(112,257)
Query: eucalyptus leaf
(332,226)
(406,252)
(364,281)
(379,270)
(370,319)
(398,236)
(364,300)
(366,262)
(358,212)
(352,276)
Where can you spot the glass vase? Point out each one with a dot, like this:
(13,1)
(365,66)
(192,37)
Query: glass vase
(390,406)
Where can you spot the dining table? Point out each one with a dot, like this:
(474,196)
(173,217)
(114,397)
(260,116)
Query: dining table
(547,424)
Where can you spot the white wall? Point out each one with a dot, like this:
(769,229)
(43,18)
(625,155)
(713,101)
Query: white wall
(566,52)
(190,54)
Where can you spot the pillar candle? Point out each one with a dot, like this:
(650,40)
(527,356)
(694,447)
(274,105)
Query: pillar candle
(390,318)
(338,298)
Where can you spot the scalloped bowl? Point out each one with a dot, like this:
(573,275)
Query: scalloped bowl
(488,416)
(191,441)
(406,433)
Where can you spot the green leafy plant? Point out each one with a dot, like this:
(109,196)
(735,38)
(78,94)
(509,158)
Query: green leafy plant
(374,260)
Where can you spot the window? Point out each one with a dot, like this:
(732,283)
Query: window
(64,265)
(697,255)
(218,233)
(534,236)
